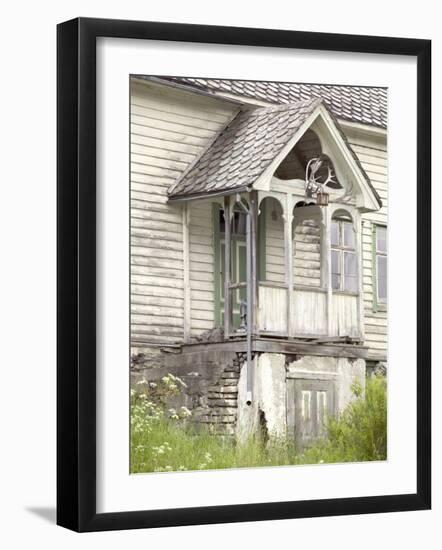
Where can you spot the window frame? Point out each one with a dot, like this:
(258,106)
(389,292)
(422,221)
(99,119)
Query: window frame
(218,288)
(378,305)
(342,249)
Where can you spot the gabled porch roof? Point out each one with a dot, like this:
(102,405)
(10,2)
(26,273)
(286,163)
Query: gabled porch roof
(243,151)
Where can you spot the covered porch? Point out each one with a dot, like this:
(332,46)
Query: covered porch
(311,288)
(287,192)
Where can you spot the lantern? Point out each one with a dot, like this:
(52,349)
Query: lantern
(322,198)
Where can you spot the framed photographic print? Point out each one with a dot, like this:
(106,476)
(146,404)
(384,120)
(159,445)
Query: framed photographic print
(243,274)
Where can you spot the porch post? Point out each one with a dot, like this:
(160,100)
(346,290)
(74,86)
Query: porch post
(326,264)
(288,253)
(227,267)
(253,212)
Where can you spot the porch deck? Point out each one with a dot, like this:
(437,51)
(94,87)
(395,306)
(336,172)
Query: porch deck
(327,347)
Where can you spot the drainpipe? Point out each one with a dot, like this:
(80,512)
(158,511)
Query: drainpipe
(249,372)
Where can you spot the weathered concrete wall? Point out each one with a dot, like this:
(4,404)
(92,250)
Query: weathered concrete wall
(216,388)
(269,398)
(271,372)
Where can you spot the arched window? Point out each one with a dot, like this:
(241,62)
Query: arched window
(344,264)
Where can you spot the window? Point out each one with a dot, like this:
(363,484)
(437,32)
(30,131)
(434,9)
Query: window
(380,264)
(238,258)
(344,265)
(238,225)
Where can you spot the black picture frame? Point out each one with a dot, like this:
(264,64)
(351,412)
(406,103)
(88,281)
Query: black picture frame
(76,273)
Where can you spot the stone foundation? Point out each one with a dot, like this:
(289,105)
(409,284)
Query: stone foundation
(211,392)
(216,388)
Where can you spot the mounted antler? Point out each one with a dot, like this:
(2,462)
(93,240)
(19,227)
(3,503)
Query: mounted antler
(313,185)
(331,177)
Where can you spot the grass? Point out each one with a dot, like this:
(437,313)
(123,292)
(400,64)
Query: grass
(162,440)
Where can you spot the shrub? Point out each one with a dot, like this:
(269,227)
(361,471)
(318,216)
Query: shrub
(161,440)
(360,432)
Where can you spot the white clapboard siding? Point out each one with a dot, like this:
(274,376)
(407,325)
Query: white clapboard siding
(372,152)
(306,254)
(202,306)
(169,129)
(274,237)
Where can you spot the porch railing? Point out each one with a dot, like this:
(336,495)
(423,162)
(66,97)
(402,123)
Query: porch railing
(313,312)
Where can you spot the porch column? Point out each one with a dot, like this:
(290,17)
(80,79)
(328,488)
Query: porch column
(288,253)
(326,278)
(227,267)
(254,280)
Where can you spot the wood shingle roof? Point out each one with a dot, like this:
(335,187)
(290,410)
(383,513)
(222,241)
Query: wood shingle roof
(361,104)
(243,150)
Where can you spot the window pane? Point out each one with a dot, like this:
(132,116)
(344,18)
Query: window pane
(349,235)
(336,261)
(381,239)
(241,218)
(351,283)
(221,274)
(238,225)
(336,281)
(336,269)
(350,272)
(241,270)
(382,278)
(222,225)
(350,264)
(335,233)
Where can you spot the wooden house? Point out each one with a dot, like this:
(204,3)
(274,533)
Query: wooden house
(258,246)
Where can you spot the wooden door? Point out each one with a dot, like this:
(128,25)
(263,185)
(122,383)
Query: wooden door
(309,404)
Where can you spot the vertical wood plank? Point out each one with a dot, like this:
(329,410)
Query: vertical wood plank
(290,396)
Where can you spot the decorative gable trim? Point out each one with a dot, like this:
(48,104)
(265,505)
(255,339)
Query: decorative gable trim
(336,146)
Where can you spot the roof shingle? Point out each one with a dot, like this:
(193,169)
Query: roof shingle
(366,105)
(244,149)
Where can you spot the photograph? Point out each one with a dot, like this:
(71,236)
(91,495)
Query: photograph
(218,257)
(258,273)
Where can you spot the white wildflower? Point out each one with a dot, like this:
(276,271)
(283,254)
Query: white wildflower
(185,412)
